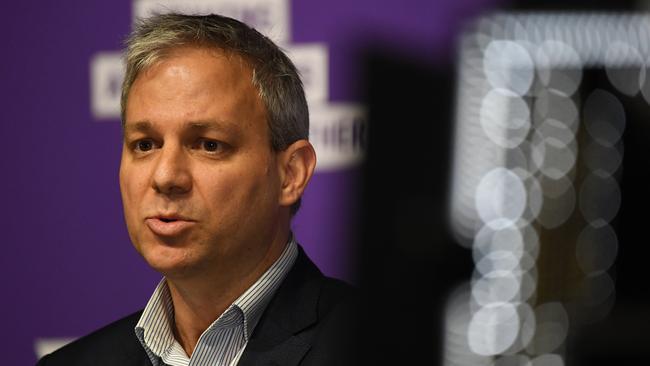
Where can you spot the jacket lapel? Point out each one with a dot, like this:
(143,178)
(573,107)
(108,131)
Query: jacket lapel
(278,338)
(139,359)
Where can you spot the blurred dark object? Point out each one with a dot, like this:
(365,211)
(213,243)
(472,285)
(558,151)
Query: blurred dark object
(409,260)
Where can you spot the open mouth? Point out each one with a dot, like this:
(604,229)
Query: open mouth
(169,226)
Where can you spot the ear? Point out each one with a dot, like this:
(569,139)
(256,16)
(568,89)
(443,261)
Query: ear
(296,163)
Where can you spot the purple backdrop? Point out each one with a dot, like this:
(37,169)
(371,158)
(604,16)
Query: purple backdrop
(68,265)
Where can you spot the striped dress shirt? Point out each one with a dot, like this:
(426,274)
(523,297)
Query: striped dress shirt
(223,343)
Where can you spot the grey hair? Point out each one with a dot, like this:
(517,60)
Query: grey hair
(274,75)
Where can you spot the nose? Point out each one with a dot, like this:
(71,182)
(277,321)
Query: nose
(172,176)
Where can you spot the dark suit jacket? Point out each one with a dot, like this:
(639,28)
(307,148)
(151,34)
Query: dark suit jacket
(310,321)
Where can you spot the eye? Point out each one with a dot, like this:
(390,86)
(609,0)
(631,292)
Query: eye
(210,145)
(144,145)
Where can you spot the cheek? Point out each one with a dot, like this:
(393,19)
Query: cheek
(217,188)
(132,187)
(237,191)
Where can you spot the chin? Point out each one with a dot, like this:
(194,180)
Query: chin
(168,261)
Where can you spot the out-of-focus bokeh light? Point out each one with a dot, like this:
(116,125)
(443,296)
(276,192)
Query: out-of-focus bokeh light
(552,328)
(503,237)
(493,329)
(548,360)
(500,195)
(627,80)
(559,202)
(600,197)
(604,117)
(607,158)
(596,248)
(508,66)
(505,118)
(558,108)
(559,68)
(512,360)
(535,180)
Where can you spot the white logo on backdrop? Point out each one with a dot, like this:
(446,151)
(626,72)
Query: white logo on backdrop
(337,129)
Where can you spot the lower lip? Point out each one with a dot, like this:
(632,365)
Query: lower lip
(172,228)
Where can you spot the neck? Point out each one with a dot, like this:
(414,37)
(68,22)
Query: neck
(200,300)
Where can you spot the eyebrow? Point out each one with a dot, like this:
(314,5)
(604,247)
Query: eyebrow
(214,125)
(140,126)
(218,126)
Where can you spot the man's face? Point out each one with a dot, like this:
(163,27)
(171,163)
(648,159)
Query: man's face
(199,180)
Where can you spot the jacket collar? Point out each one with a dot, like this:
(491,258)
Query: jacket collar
(278,337)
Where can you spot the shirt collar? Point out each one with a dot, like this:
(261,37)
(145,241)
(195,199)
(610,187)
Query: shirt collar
(254,300)
(154,328)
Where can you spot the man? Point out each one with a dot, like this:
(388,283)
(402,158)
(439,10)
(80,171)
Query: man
(214,162)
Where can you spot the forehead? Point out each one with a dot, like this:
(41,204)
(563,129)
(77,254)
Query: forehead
(193,84)
(197,70)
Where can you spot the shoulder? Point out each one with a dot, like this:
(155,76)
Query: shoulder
(308,321)
(337,311)
(335,295)
(306,282)
(337,330)
(113,344)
